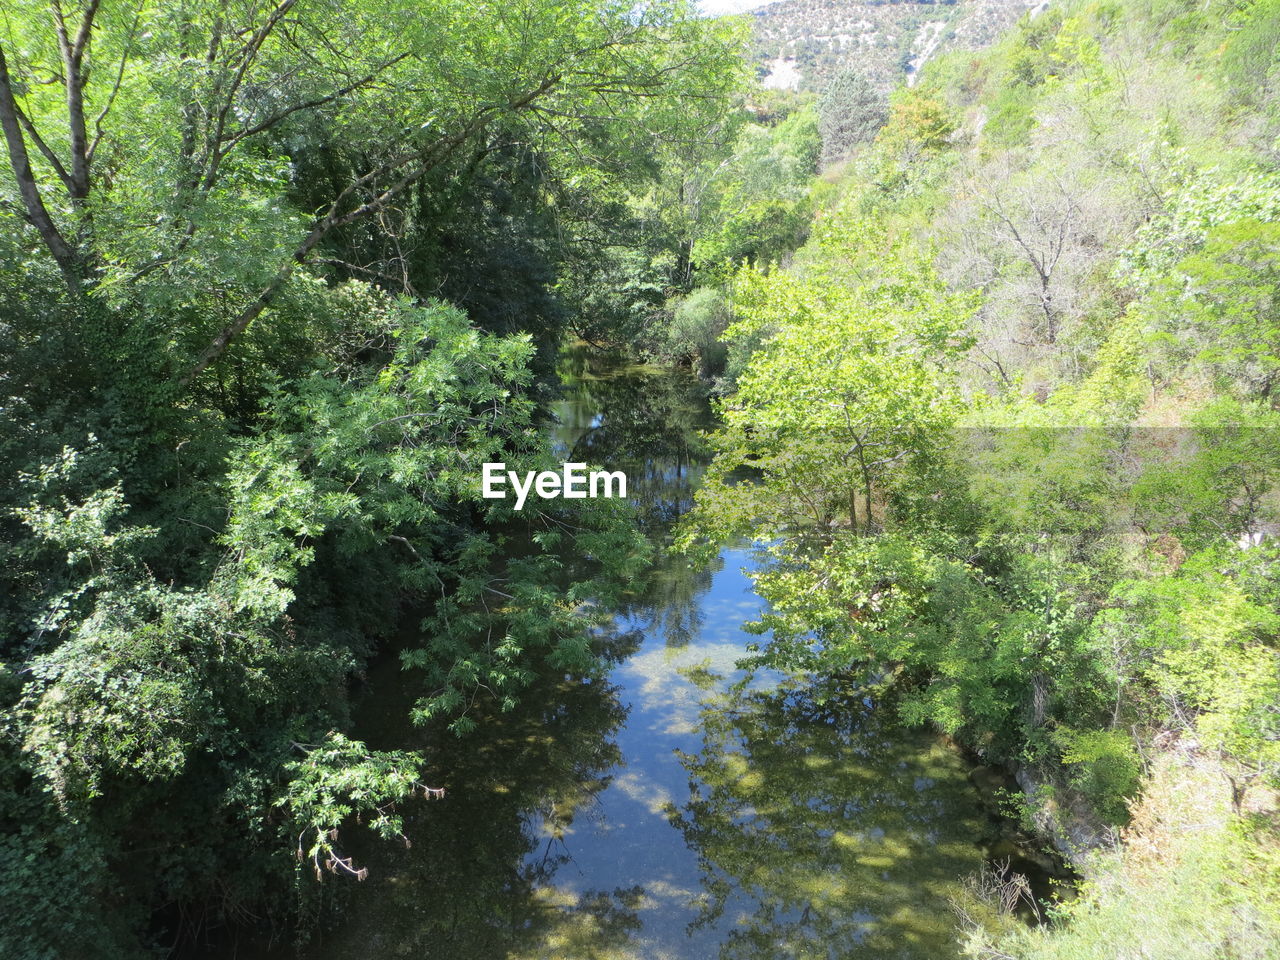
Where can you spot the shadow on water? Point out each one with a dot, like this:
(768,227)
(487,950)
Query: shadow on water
(824,829)
(665,811)
(476,880)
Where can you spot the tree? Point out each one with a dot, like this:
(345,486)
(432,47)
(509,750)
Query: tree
(850,113)
(847,390)
(240,434)
(918,125)
(1221,305)
(756,203)
(220,88)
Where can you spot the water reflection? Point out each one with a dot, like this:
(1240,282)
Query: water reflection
(660,813)
(824,830)
(477,880)
(649,422)
(640,419)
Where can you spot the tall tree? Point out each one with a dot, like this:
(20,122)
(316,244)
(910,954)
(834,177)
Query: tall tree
(134,130)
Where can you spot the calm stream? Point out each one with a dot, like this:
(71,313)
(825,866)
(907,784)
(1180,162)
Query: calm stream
(653,814)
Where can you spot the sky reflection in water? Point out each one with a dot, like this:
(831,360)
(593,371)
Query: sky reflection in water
(764,824)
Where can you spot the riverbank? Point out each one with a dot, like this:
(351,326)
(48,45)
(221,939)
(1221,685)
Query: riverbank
(1189,874)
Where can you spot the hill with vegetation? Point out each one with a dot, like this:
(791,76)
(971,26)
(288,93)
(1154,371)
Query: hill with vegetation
(805,43)
(1013,405)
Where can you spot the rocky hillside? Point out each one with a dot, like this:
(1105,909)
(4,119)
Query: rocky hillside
(802,43)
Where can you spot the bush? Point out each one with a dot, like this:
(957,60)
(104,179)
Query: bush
(1190,883)
(693,333)
(1105,767)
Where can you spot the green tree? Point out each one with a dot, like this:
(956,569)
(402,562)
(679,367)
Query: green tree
(919,124)
(847,390)
(1221,305)
(756,205)
(851,112)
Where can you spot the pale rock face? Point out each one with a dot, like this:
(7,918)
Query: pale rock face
(782,75)
(926,42)
(718,8)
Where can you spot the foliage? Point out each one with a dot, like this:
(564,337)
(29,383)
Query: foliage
(918,124)
(341,778)
(998,404)
(1218,306)
(850,113)
(1188,882)
(1206,641)
(1105,765)
(843,394)
(1249,62)
(696,326)
(757,202)
(1071,569)
(276,280)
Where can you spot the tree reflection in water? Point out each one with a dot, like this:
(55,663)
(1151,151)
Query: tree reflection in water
(824,829)
(477,883)
(648,422)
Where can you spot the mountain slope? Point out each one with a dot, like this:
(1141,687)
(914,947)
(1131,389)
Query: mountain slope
(803,43)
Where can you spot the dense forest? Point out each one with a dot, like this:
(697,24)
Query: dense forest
(994,357)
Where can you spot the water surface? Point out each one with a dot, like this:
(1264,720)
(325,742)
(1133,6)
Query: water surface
(661,812)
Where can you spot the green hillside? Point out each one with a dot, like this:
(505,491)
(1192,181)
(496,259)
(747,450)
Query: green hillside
(1014,404)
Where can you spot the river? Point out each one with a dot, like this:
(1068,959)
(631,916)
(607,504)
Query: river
(659,812)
